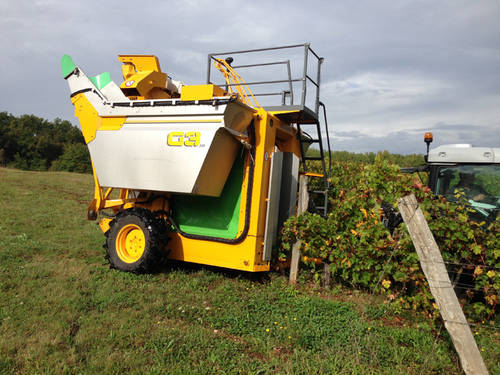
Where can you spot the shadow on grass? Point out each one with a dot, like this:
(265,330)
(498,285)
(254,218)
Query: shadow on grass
(191,268)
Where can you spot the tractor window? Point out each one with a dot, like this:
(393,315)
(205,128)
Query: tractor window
(479,183)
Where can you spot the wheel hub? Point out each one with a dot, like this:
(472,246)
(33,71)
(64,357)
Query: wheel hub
(130,243)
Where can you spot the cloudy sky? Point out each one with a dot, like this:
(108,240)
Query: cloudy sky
(392,70)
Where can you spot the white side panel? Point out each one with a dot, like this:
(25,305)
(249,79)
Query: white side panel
(113,93)
(79,81)
(137,157)
(273,202)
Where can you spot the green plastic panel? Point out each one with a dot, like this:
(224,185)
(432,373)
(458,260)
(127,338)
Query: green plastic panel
(67,65)
(212,216)
(101,80)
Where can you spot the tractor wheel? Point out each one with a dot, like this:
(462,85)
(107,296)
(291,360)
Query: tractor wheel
(136,241)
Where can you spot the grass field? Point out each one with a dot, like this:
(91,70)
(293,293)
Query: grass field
(62,310)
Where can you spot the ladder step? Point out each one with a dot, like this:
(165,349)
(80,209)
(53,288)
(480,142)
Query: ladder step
(317,191)
(313,158)
(313,174)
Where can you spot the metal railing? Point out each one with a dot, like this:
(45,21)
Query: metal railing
(285,94)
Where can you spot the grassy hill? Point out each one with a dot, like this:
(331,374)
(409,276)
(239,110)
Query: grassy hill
(62,310)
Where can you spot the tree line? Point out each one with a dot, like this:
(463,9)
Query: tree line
(410,160)
(31,143)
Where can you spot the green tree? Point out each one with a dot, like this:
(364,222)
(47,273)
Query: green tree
(75,158)
(30,142)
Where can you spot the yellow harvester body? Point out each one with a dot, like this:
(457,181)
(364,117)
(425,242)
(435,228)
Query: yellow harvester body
(192,162)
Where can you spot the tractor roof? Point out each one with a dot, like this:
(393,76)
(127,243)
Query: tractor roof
(464,153)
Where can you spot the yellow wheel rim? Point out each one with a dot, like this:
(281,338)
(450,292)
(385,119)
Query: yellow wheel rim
(130,243)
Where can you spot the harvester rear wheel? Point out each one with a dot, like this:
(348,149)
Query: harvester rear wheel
(136,241)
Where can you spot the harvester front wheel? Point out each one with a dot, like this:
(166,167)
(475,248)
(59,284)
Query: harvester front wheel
(136,241)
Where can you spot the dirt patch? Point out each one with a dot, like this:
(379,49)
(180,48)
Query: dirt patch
(226,335)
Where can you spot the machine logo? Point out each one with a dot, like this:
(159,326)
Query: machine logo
(183,139)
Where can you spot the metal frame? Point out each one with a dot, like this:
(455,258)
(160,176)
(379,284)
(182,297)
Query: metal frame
(289,80)
(304,78)
(306,116)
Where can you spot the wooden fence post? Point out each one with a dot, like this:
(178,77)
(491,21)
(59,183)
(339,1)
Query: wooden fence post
(435,271)
(302,204)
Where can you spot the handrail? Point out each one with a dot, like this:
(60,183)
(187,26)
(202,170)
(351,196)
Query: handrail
(327,140)
(260,64)
(259,49)
(305,76)
(268,82)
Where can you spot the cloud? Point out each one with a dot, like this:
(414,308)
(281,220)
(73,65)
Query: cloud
(391,67)
(412,141)
(360,97)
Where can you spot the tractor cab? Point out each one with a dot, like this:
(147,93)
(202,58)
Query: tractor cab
(461,171)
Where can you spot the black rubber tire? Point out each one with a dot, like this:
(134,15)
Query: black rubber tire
(155,234)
